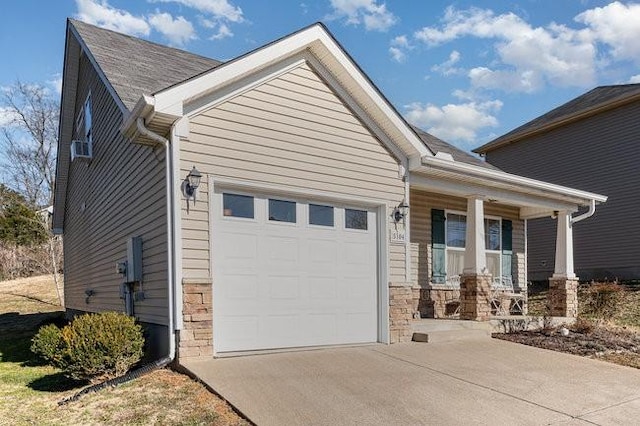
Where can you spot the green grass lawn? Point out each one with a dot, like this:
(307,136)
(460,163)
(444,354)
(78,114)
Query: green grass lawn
(30,391)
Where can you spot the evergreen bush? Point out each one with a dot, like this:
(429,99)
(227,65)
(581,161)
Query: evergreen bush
(93,346)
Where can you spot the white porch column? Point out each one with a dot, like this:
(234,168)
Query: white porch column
(475,286)
(475,259)
(564,247)
(563,285)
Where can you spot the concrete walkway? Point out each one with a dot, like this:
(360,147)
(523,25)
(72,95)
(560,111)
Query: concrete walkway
(484,382)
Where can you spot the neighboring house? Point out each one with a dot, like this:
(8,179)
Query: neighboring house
(591,142)
(297,233)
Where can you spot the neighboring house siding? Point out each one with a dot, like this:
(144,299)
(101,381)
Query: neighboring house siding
(598,154)
(421,204)
(292,131)
(118,194)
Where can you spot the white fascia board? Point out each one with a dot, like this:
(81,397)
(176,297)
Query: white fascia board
(503,196)
(321,45)
(508,178)
(144,108)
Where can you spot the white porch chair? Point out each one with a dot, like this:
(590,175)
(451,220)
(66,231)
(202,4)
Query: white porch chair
(502,291)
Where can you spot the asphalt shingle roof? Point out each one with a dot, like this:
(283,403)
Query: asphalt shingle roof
(438,145)
(594,99)
(135,67)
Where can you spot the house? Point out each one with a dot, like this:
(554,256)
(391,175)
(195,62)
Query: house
(277,200)
(590,142)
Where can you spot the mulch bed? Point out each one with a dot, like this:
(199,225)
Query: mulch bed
(609,343)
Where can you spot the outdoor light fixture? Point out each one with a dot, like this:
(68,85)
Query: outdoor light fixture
(191,183)
(400,212)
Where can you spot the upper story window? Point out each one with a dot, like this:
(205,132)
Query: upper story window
(82,147)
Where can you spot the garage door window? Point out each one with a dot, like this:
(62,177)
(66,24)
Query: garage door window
(238,205)
(320,215)
(282,211)
(355,219)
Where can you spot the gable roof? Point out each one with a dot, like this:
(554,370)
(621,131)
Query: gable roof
(438,145)
(597,100)
(313,44)
(134,66)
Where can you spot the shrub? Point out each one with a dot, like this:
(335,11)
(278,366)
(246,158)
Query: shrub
(582,326)
(602,299)
(48,345)
(93,346)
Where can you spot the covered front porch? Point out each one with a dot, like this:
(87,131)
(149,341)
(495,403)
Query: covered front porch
(468,236)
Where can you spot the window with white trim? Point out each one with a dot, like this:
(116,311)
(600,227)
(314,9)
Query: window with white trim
(456,236)
(82,147)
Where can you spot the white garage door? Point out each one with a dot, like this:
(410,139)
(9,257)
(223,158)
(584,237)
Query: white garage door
(290,274)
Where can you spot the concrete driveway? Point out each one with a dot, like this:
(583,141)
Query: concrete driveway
(488,382)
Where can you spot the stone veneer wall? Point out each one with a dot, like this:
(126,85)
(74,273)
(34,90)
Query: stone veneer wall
(403,304)
(475,296)
(563,297)
(195,340)
(438,302)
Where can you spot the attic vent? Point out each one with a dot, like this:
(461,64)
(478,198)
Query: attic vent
(81,149)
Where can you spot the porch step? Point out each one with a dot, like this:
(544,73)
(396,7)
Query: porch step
(437,330)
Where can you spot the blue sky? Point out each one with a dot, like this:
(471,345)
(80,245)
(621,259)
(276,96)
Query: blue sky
(466,71)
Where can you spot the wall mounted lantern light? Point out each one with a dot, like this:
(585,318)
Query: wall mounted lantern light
(400,212)
(191,183)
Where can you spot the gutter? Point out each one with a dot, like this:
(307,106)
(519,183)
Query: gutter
(142,130)
(588,214)
(508,178)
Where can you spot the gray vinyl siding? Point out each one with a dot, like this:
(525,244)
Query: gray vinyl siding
(292,131)
(118,194)
(421,204)
(598,154)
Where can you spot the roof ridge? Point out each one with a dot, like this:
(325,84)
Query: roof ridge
(591,102)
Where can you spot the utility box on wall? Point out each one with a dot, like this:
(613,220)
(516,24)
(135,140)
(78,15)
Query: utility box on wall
(134,260)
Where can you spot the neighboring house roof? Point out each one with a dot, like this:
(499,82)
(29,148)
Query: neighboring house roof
(438,145)
(134,66)
(597,100)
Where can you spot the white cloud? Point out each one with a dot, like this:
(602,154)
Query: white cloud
(522,80)
(100,13)
(397,54)
(177,30)
(7,116)
(635,79)
(616,25)
(56,83)
(529,56)
(218,9)
(373,15)
(399,46)
(401,41)
(447,67)
(455,122)
(223,32)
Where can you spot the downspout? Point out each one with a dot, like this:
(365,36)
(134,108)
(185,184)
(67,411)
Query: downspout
(588,214)
(170,238)
(166,360)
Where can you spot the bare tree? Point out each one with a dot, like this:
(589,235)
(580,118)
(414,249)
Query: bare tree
(29,140)
(28,145)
